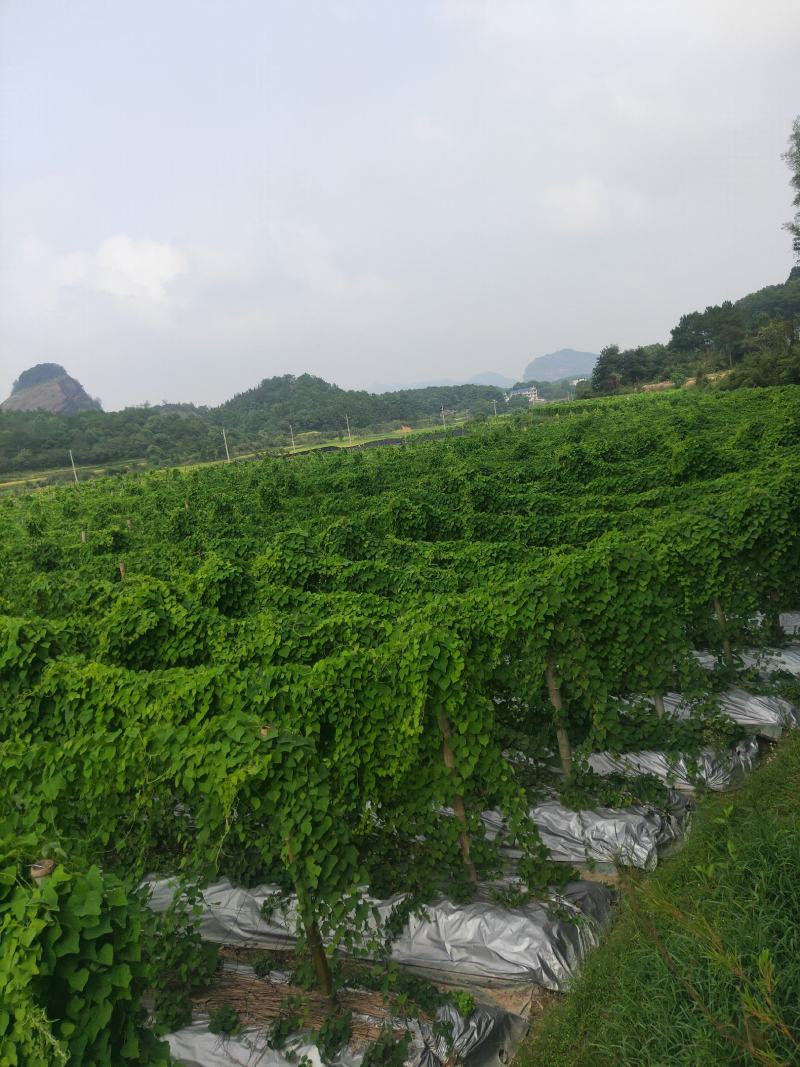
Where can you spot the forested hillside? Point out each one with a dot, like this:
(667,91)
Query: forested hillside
(255,420)
(310,403)
(752,342)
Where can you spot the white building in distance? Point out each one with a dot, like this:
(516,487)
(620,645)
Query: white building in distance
(531,393)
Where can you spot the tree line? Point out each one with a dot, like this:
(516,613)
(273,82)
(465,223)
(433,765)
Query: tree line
(256,420)
(752,342)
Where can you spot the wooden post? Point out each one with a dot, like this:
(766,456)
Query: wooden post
(123,570)
(723,623)
(658,699)
(773,618)
(318,956)
(458,801)
(564,746)
(83,537)
(313,936)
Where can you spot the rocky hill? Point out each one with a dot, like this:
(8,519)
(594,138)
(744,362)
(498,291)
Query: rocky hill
(48,387)
(566,363)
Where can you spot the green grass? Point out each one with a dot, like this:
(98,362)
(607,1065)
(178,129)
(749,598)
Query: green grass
(702,966)
(342,442)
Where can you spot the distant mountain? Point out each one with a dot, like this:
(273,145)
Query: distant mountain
(379,388)
(500,381)
(565,363)
(48,387)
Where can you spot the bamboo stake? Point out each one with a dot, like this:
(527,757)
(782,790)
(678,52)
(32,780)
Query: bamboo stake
(458,801)
(723,623)
(773,618)
(564,746)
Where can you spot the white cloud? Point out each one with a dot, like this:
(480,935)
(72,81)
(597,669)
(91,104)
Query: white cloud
(288,269)
(307,257)
(496,17)
(429,132)
(138,273)
(613,95)
(587,205)
(286,290)
(738,26)
(135,270)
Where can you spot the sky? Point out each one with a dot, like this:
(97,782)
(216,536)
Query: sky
(199,194)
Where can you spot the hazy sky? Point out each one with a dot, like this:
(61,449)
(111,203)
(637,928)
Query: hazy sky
(198,194)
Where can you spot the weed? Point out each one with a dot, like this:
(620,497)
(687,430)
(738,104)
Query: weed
(224,1020)
(387,1050)
(288,1022)
(334,1034)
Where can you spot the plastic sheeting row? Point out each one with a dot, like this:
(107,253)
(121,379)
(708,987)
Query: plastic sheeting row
(480,943)
(488,1038)
(767,716)
(765,660)
(718,769)
(631,837)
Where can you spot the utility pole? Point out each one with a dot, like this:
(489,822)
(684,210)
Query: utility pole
(72,461)
(349,435)
(225,439)
(443,421)
(495,408)
(291,434)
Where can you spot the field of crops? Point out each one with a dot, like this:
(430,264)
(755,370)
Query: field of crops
(288,672)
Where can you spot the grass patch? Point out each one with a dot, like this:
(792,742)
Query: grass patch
(702,965)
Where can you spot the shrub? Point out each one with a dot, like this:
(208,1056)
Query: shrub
(71,968)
